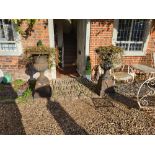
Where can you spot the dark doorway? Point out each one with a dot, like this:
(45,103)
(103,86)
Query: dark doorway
(66,42)
(70,44)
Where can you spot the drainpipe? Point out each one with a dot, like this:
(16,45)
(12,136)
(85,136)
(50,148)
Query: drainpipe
(52,45)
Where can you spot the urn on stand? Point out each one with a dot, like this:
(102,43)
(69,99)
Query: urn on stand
(42,87)
(106,81)
(109,57)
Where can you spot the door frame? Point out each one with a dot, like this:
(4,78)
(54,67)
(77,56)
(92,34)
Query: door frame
(52,45)
(86,45)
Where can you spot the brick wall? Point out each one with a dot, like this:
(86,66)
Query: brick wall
(8,62)
(101,35)
(40,32)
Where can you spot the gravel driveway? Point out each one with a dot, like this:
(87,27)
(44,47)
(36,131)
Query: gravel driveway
(81,116)
(75,108)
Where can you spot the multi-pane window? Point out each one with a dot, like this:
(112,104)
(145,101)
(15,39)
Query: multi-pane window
(7,38)
(131,34)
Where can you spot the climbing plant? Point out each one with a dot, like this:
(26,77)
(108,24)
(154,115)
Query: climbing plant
(24,32)
(40,49)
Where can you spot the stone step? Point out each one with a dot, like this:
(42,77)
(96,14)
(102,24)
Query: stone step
(73,87)
(70,65)
(69,56)
(70,61)
(70,52)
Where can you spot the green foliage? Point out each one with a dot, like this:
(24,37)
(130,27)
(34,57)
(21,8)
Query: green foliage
(16,87)
(28,60)
(22,85)
(39,43)
(51,58)
(104,50)
(88,66)
(110,53)
(17,83)
(27,93)
(18,22)
(41,50)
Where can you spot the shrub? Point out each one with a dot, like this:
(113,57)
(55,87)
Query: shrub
(88,66)
(17,83)
(110,53)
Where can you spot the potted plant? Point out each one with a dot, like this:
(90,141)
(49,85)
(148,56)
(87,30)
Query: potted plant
(35,52)
(88,68)
(44,58)
(111,54)
(109,57)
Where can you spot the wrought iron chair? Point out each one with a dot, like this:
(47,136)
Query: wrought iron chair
(146,92)
(123,73)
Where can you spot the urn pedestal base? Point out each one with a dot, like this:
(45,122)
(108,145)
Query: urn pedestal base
(105,84)
(42,88)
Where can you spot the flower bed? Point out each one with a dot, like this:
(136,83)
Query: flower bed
(18,89)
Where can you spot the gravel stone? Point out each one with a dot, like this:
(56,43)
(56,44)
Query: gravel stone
(76,110)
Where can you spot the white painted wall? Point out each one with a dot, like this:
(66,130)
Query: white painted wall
(83,37)
(81,46)
(52,45)
(87,36)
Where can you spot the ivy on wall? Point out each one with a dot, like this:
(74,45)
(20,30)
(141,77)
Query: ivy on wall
(18,22)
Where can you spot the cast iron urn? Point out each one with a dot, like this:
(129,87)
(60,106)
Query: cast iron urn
(106,81)
(42,87)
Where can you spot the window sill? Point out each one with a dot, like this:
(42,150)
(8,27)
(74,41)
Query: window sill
(134,53)
(10,53)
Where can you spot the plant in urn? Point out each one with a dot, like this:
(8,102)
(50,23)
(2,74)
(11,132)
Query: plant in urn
(109,57)
(42,58)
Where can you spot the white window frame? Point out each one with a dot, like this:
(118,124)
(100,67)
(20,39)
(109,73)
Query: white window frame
(17,41)
(132,53)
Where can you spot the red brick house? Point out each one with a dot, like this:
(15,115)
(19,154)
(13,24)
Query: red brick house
(78,39)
